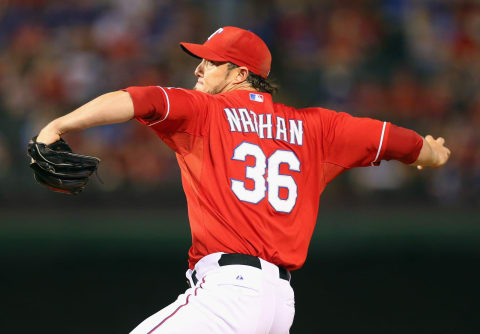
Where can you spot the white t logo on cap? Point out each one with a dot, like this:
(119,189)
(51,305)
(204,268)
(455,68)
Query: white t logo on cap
(216,32)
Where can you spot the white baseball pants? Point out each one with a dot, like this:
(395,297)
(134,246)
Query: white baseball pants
(228,299)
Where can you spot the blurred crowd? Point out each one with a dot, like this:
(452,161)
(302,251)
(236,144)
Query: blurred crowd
(414,63)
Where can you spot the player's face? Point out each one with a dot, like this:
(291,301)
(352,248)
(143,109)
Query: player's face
(212,77)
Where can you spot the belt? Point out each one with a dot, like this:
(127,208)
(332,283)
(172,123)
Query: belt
(246,260)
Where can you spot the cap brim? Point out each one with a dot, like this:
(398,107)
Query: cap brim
(200,51)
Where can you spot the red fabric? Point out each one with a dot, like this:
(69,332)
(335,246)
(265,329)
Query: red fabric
(186,111)
(235,45)
(362,136)
(403,145)
(248,194)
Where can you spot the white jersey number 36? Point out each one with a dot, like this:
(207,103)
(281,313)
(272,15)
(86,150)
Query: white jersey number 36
(274,180)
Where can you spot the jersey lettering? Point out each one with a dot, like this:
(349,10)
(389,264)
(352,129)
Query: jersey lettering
(275,180)
(254,173)
(281,129)
(296,132)
(247,121)
(254,117)
(233,119)
(267,125)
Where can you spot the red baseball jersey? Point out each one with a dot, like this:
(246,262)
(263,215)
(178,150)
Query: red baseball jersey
(253,170)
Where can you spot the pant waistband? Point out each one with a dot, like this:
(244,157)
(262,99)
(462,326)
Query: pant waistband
(246,260)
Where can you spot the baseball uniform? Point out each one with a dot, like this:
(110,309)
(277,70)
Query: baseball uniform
(253,172)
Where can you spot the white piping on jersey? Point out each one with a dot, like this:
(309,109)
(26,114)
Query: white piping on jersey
(168,107)
(381,142)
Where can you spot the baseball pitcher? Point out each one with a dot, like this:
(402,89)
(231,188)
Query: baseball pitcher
(252,170)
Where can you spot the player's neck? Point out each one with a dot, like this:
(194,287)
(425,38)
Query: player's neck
(240,86)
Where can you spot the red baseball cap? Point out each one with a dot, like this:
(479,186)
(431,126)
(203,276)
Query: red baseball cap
(238,46)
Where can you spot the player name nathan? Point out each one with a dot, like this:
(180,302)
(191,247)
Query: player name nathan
(242,120)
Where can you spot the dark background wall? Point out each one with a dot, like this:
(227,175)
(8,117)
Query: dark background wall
(395,250)
(368,271)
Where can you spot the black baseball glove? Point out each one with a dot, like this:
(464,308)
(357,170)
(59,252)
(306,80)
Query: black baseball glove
(58,168)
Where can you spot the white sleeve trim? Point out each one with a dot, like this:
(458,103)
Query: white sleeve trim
(168,108)
(381,143)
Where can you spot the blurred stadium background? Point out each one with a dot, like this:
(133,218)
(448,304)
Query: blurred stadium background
(395,250)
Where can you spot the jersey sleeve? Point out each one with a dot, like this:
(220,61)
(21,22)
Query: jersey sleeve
(353,141)
(170,110)
(356,142)
(403,145)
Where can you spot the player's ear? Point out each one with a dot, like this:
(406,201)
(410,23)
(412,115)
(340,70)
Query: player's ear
(242,74)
